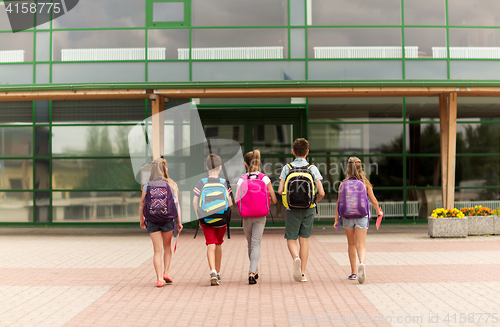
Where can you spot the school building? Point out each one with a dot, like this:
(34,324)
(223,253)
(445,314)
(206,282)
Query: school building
(409,86)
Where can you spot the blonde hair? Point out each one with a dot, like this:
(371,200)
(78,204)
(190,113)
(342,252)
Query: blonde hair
(355,168)
(159,172)
(252,159)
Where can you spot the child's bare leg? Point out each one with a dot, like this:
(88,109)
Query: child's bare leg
(158,251)
(360,243)
(211,255)
(351,240)
(218,257)
(167,255)
(293,247)
(303,253)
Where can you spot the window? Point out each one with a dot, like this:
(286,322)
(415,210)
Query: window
(168,13)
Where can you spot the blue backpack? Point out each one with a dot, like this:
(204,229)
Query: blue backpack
(213,206)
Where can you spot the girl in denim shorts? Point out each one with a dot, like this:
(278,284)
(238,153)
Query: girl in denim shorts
(355,229)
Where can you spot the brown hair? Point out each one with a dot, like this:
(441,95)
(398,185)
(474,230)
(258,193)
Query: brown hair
(252,159)
(159,171)
(355,168)
(213,161)
(300,147)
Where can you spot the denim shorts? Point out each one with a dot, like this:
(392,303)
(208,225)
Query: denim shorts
(156,227)
(359,223)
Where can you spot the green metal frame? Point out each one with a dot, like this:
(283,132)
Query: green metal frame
(184,24)
(250,84)
(187,25)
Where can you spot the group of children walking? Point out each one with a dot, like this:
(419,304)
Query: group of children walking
(300,187)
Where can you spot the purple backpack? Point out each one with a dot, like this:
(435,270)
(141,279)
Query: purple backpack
(353,200)
(159,204)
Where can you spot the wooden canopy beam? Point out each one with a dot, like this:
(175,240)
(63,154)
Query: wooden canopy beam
(76,95)
(285,92)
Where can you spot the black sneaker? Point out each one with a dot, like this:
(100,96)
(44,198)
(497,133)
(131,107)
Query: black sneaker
(251,280)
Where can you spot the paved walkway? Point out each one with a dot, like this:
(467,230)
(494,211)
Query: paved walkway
(105,277)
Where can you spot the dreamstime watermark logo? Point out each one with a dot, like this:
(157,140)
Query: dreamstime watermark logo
(185,147)
(24,15)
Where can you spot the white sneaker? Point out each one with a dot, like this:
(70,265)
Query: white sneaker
(297,274)
(213,279)
(361,273)
(304,278)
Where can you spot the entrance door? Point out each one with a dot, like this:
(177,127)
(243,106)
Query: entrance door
(272,131)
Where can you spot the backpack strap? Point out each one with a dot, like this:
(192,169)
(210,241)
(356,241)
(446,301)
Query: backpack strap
(314,186)
(197,228)
(204,180)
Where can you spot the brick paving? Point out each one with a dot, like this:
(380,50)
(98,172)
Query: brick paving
(105,277)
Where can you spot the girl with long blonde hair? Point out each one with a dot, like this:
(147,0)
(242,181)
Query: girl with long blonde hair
(161,233)
(356,229)
(254,227)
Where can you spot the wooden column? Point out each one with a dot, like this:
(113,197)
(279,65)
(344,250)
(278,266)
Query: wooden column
(448,128)
(158,105)
(443,126)
(452,149)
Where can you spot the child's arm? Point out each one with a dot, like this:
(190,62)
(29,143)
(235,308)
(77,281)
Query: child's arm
(373,200)
(195,206)
(271,192)
(230,198)
(321,192)
(337,218)
(141,207)
(281,188)
(179,222)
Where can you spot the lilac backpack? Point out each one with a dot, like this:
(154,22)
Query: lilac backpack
(253,197)
(159,203)
(353,200)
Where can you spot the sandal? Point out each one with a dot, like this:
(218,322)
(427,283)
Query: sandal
(167,278)
(353,277)
(160,283)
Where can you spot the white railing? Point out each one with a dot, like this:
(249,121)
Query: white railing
(224,53)
(12,56)
(106,54)
(492,204)
(364,52)
(326,210)
(467,52)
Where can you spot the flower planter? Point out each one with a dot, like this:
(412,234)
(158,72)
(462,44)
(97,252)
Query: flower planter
(447,227)
(481,225)
(496,225)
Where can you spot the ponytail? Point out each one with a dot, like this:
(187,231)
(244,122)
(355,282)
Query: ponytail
(252,159)
(355,168)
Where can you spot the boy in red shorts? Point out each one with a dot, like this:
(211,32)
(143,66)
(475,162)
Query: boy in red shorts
(214,225)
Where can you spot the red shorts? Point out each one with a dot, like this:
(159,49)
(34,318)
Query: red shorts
(214,235)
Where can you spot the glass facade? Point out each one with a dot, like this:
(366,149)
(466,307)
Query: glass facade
(61,160)
(424,40)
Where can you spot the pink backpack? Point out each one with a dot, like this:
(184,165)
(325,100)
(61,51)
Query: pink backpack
(253,197)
